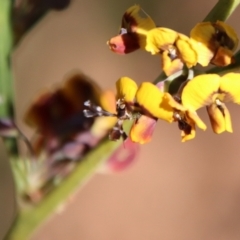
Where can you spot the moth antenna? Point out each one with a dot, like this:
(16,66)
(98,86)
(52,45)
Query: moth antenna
(95,111)
(88,113)
(87,103)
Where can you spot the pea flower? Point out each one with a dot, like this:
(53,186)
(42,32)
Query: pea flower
(216,43)
(162,105)
(213,91)
(175,49)
(132,36)
(145,105)
(208,42)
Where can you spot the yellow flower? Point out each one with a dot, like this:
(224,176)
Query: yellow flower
(212,91)
(174,48)
(135,25)
(135,19)
(158,104)
(154,104)
(216,43)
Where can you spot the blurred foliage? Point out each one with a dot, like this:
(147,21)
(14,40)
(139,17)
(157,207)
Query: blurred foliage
(26,13)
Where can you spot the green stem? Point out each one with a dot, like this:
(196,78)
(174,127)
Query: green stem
(29,220)
(222,10)
(6,83)
(6,80)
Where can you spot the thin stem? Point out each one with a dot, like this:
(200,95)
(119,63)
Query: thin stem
(222,10)
(6,80)
(6,83)
(29,220)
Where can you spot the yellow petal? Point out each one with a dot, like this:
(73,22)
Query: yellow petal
(220,119)
(137,20)
(190,136)
(199,91)
(219,38)
(204,54)
(160,38)
(196,119)
(186,49)
(203,32)
(126,88)
(142,130)
(171,102)
(108,101)
(230,85)
(153,101)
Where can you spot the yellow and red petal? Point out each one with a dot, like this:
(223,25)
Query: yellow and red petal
(220,118)
(136,20)
(126,89)
(215,34)
(223,57)
(230,85)
(125,43)
(219,38)
(142,130)
(137,23)
(160,39)
(200,91)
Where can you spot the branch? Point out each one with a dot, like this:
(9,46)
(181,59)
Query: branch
(222,10)
(29,220)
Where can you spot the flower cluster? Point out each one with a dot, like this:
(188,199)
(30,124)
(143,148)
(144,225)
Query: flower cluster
(63,135)
(209,42)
